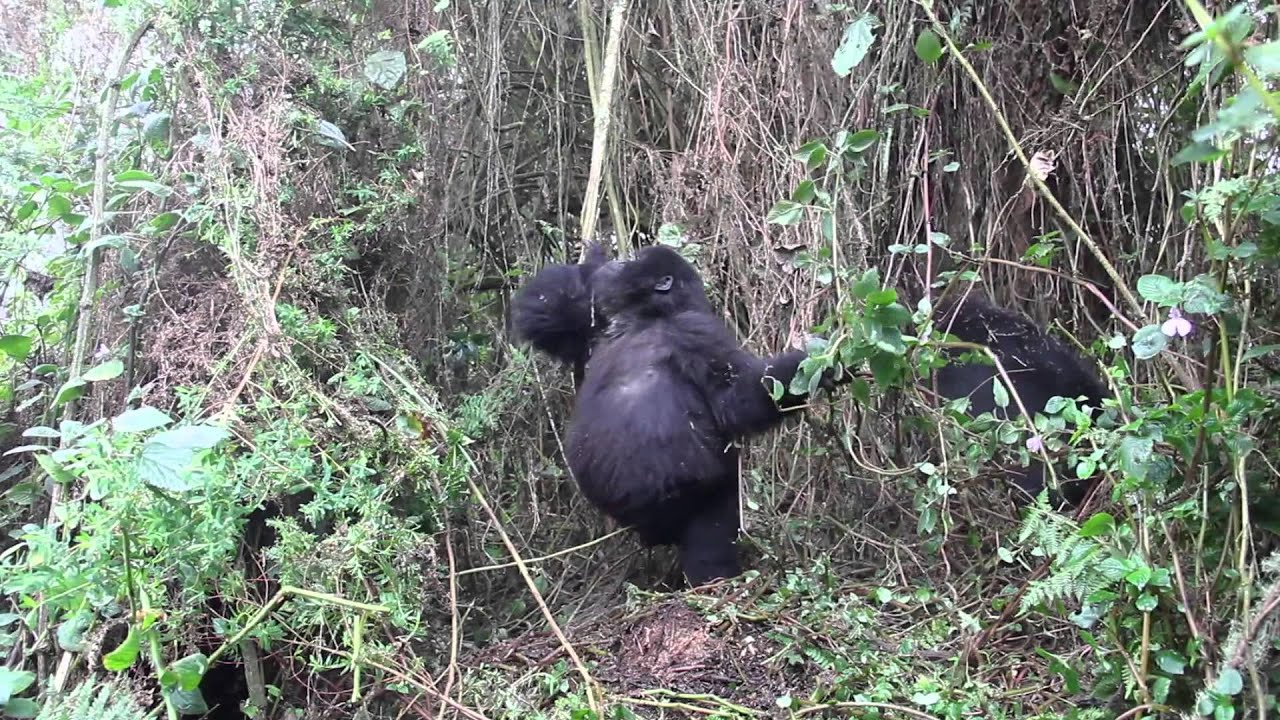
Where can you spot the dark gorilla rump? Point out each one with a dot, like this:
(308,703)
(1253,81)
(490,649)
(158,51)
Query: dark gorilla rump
(553,311)
(667,391)
(1039,365)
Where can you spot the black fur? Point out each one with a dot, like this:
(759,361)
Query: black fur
(667,391)
(1040,366)
(553,311)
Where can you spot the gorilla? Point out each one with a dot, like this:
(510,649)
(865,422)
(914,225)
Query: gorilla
(666,391)
(1040,366)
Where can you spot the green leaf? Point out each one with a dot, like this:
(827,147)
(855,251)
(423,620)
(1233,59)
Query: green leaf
(1000,393)
(867,284)
(1258,351)
(331,136)
(385,68)
(155,127)
(164,221)
(108,370)
(812,154)
(40,431)
(858,39)
(951,167)
(1148,342)
(190,670)
(882,297)
(928,47)
(1229,682)
(1160,289)
(57,206)
(133,175)
(785,212)
(17,347)
(1062,84)
(51,466)
(862,140)
(803,193)
(14,682)
(189,702)
(21,708)
(1170,662)
(124,656)
(1139,577)
(1265,58)
(1198,152)
(140,420)
(1146,602)
(149,186)
(71,633)
(166,457)
(70,390)
(1100,524)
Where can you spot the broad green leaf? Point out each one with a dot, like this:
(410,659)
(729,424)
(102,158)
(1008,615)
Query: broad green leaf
(1159,289)
(1265,57)
(17,347)
(1100,524)
(70,390)
(190,670)
(1229,682)
(13,682)
(803,193)
(858,39)
(385,68)
(1148,342)
(189,702)
(149,186)
(928,47)
(1000,393)
(812,154)
(155,127)
(51,466)
(863,139)
(132,175)
(166,457)
(108,370)
(1198,152)
(21,708)
(867,284)
(331,135)
(40,431)
(1170,662)
(164,221)
(71,632)
(140,420)
(785,212)
(57,206)
(124,656)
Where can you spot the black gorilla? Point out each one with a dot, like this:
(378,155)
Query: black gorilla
(1040,366)
(667,390)
(554,313)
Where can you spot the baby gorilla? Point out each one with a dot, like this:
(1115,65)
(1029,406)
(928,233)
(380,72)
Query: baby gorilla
(667,391)
(1040,366)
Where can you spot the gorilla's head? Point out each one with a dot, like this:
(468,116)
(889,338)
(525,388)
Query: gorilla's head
(657,283)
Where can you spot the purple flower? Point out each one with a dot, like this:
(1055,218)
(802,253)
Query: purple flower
(1035,443)
(1176,325)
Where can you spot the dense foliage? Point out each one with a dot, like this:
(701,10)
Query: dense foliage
(268,451)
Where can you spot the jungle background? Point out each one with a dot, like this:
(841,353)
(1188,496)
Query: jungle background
(269,450)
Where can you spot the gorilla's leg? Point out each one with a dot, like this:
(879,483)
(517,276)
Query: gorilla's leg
(709,545)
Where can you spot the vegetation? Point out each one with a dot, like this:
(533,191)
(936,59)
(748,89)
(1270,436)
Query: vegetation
(268,451)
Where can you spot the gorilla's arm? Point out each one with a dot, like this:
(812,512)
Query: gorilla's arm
(732,380)
(553,311)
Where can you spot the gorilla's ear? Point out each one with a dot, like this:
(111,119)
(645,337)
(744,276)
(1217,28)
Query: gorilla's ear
(663,284)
